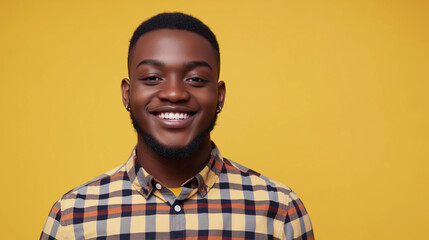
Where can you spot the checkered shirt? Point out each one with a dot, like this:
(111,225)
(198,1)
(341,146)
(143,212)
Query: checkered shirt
(224,201)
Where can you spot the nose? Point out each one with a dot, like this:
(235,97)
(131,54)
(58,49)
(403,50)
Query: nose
(174,90)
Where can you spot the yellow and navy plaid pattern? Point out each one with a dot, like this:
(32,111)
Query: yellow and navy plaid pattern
(224,201)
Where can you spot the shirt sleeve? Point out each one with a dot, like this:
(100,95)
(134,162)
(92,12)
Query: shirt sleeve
(52,229)
(297,223)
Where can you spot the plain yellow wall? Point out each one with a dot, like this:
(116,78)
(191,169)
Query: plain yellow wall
(328,97)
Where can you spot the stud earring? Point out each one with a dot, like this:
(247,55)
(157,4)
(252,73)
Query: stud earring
(128,107)
(219,108)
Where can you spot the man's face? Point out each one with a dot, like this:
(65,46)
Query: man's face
(173,89)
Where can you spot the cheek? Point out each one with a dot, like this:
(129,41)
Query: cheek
(139,95)
(208,101)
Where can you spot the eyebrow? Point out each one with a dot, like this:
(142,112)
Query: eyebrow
(151,62)
(191,64)
(194,64)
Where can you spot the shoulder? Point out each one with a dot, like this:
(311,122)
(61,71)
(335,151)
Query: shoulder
(276,190)
(278,199)
(93,186)
(83,198)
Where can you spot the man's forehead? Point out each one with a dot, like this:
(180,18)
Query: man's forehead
(172,43)
(182,37)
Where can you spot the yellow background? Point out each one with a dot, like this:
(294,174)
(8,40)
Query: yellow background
(328,97)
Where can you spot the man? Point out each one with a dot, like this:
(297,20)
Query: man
(175,184)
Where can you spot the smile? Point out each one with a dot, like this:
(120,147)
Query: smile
(173,116)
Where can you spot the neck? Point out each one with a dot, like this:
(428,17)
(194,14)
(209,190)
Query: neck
(173,172)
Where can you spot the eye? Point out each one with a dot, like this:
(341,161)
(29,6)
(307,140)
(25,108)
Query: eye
(196,81)
(151,80)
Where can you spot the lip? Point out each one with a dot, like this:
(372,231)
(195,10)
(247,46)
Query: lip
(182,123)
(175,123)
(179,109)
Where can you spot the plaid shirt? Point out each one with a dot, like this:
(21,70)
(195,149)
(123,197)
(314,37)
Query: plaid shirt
(224,201)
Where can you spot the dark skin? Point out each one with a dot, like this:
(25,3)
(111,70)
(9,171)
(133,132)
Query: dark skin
(173,71)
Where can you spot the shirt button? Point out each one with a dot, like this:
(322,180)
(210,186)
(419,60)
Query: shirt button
(158,186)
(177,208)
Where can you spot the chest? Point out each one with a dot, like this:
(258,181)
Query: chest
(190,219)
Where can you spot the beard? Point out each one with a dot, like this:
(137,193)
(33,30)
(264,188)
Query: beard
(173,152)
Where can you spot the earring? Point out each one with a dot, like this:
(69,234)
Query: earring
(219,108)
(128,107)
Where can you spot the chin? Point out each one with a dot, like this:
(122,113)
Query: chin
(173,152)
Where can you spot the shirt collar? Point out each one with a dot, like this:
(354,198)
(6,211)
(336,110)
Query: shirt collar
(144,183)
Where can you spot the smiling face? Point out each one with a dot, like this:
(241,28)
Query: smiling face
(173,88)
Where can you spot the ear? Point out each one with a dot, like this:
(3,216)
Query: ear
(125,88)
(221,91)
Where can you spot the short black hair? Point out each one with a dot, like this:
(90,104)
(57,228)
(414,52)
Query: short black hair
(174,20)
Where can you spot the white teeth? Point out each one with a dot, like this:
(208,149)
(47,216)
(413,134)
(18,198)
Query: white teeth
(173,116)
